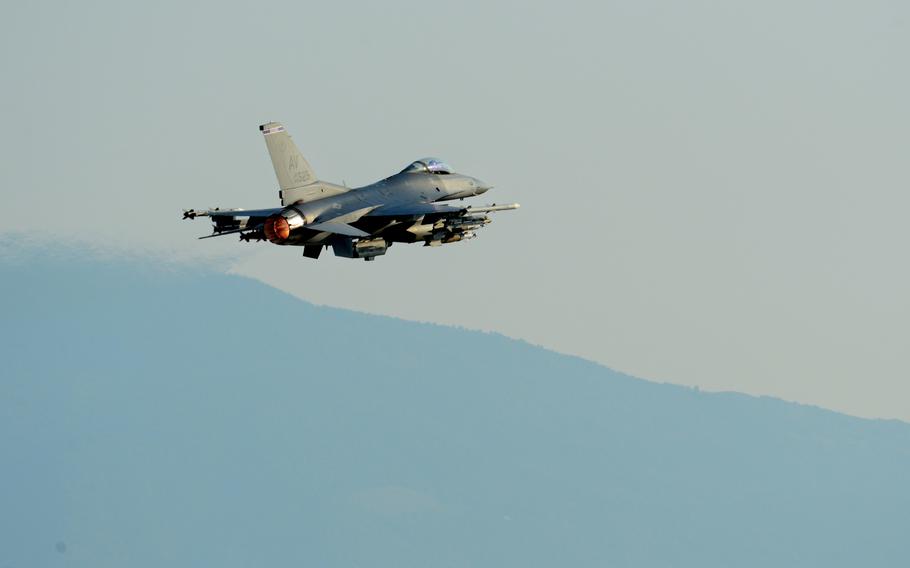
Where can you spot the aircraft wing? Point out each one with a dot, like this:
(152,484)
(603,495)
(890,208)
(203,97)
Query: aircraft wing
(192,213)
(250,221)
(232,221)
(436,209)
(414,209)
(433,223)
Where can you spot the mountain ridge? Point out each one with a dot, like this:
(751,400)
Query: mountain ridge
(185,416)
(23,249)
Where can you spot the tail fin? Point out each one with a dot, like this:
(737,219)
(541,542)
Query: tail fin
(291,167)
(295,176)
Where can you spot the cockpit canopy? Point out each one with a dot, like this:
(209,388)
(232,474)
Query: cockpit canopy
(428,165)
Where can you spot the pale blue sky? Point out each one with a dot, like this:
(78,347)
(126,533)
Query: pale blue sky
(714,193)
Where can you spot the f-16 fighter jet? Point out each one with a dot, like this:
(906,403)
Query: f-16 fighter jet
(361,222)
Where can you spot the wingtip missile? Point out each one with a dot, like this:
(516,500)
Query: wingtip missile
(492,208)
(192,213)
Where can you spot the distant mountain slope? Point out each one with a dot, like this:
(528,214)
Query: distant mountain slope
(159,417)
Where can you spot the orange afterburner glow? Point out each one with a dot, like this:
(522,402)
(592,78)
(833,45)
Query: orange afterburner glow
(277,228)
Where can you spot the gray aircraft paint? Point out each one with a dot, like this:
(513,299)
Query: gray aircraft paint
(400,208)
(291,167)
(296,179)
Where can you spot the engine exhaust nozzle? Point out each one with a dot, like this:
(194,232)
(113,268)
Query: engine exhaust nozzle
(276,229)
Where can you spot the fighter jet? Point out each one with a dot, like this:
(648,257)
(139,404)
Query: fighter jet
(356,222)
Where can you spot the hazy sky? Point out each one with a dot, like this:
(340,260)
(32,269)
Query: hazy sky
(714,193)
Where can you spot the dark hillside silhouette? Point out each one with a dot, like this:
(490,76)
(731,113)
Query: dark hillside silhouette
(152,416)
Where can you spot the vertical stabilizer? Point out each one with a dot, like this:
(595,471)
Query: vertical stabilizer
(296,179)
(291,167)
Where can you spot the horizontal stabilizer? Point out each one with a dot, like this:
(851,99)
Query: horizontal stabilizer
(230,232)
(338,229)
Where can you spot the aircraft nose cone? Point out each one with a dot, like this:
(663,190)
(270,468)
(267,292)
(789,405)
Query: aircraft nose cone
(481,186)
